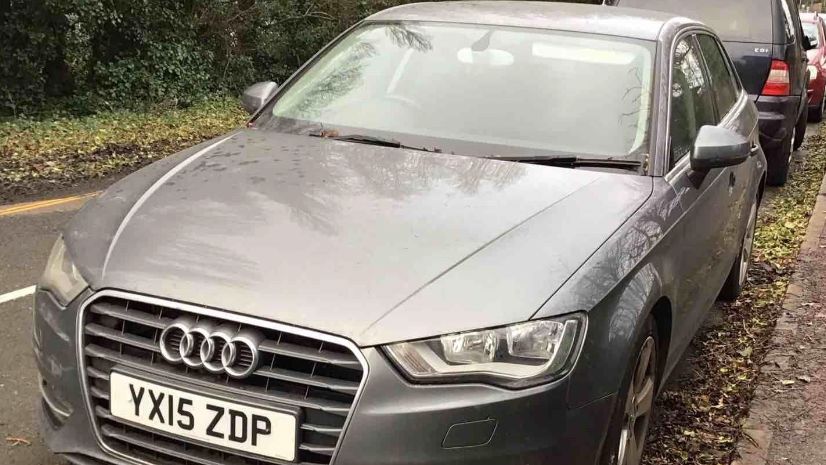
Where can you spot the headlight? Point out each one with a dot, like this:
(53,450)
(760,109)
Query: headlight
(517,356)
(812,73)
(61,277)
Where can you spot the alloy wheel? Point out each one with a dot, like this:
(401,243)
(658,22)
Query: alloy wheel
(748,246)
(639,405)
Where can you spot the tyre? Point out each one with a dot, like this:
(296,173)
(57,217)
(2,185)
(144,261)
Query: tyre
(779,161)
(740,269)
(635,404)
(800,131)
(816,114)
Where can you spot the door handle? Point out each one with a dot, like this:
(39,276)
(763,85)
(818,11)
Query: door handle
(732,179)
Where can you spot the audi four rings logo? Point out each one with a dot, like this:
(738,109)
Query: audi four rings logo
(217,348)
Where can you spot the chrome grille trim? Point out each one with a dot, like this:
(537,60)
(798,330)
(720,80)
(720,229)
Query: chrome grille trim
(93,394)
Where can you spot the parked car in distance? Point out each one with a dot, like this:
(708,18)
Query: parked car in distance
(813,27)
(496,264)
(765,40)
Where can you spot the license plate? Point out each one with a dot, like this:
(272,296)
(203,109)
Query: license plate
(234,426)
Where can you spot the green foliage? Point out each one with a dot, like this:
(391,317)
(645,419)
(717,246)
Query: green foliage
(84,56)
(163,72)
(32,34)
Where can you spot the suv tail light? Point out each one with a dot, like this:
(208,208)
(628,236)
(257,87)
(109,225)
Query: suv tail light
(778,83)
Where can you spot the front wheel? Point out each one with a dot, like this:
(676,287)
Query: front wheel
(635,404)
(740,270)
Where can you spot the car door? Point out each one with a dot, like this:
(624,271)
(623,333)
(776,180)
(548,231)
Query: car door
(739,116)
(703,259)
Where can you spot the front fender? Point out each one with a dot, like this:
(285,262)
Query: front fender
(618,286)
(613,327)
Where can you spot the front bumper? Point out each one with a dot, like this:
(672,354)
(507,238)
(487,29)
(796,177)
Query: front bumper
(394,422)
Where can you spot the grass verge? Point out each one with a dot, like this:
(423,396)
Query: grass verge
(37,156)
(700,421)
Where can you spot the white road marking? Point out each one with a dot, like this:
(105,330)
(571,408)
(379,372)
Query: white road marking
(18,294)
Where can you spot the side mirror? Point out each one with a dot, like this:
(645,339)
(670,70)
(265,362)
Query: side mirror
(807,43)
(718,147)
(256,95)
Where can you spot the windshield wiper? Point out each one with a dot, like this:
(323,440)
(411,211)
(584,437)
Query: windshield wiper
(370,140)
(576,162)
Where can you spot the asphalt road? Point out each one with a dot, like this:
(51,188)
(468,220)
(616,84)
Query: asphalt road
(25,240)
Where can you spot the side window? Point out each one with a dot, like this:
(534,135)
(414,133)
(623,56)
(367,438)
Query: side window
(722,79)
(692,104)
(812,31)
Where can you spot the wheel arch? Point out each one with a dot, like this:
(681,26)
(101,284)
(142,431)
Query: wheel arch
(664,320)
(761,189)
(614,325)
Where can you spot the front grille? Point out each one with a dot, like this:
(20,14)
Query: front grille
(320,376)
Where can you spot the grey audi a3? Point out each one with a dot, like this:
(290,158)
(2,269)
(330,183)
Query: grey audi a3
(463,233)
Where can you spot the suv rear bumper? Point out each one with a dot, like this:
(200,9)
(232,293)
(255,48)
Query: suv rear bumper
(778,115)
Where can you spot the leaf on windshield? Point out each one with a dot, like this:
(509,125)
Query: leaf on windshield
(329,133)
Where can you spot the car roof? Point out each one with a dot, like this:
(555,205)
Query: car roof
(809,17)
(573,17)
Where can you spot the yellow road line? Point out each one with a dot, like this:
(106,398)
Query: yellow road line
(32,206)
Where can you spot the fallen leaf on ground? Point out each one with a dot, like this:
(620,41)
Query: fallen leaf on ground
(13,441)
(805,378)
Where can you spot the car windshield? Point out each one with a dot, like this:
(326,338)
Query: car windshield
(476,90)
(810,29)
